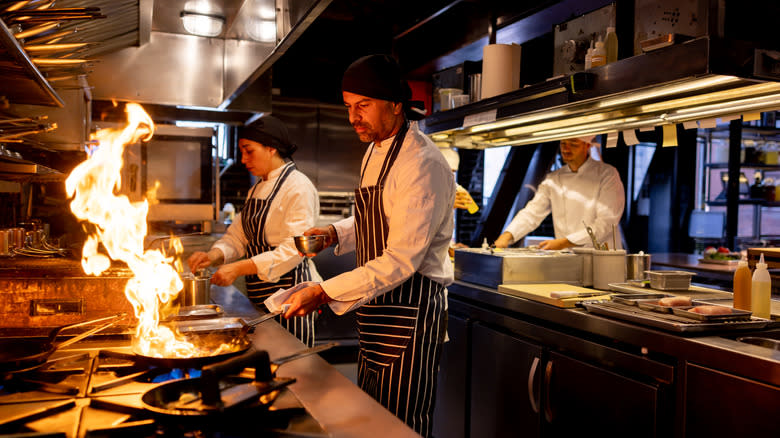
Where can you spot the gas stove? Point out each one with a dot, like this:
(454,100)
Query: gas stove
(92,389)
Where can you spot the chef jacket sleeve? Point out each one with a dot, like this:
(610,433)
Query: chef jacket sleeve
(534,212)
(345,229)
(421,197)
(610,201)
(292,213)
(233,243)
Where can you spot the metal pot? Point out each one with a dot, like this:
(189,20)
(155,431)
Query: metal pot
(196,290)
(636,265)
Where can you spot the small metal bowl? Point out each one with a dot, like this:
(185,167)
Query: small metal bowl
(310,244)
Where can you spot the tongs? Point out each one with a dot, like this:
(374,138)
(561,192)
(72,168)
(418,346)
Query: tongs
(596,244)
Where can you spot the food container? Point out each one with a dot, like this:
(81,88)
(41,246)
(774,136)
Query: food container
(587,264)
(196,290)
(735,315)
(634,299)
(670,280)
(458,100)
(445,99)
(609,266)
(636,265)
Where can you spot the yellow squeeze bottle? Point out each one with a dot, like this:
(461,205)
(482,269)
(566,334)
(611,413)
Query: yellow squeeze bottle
(471,206)
(742,286)
(760,293)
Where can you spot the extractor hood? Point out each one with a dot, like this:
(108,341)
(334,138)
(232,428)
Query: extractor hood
(704,78)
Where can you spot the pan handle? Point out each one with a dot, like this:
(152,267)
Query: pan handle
(113,318)
(81,336)
(211,374)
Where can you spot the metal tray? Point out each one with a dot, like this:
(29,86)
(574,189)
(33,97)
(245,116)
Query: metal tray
(671,322)
(653,306)
(199,311)
(633,299)
(719,262)
(735,315)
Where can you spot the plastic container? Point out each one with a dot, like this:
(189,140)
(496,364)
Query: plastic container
(458,100)
(445,99)
(760,290)
(587,264)
(608,267)
(589,56)
(742,284)
(599,56)
(611,45)
(670,280)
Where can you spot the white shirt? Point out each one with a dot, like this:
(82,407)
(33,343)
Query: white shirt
(293,211)
(417,199)
(593,194)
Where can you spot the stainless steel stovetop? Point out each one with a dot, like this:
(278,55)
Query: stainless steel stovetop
(80,392)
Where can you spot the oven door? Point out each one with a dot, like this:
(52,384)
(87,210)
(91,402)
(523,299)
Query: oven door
(175,167)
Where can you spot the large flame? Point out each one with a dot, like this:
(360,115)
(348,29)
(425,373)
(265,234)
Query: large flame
(120,226)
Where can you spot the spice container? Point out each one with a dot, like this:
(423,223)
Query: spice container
(670,280)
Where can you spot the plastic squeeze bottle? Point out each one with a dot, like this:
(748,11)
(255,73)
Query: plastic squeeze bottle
(611,45)
(742,285)
(599,54)
(589,56)
(760,291)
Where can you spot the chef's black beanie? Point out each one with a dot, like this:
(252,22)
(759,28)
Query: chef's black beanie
(379,77)
(270,132)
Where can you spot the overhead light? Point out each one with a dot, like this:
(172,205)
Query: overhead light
(207,25)
(262,30)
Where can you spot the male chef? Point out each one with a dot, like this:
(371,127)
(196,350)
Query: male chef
(400,232)
(583,191)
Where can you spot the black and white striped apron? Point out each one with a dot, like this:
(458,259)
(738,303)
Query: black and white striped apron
(253,219)
(401,331)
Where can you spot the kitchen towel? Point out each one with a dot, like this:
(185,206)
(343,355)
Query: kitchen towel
(274,302)
(500,69)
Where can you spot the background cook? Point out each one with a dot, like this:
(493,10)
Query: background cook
(583,190)
(259,243)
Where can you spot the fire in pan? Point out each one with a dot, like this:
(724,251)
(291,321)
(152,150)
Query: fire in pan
(217,339)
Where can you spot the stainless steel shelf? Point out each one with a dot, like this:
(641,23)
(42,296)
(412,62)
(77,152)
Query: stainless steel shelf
(22,81)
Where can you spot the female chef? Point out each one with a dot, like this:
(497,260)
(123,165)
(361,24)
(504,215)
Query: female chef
(259,243)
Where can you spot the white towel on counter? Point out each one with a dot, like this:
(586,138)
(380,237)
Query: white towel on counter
(274,302)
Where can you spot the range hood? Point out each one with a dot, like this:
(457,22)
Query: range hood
(704,78)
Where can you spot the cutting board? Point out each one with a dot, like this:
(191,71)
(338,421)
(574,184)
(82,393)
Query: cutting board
(541,293)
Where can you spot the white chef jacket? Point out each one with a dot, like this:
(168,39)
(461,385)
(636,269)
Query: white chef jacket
(417,200)
(293,211)
(593,194)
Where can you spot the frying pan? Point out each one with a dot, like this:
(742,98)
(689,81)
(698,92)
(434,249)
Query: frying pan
(23,354)
(218,339)
(217,391)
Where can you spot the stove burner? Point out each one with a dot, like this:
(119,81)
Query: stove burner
(97,392)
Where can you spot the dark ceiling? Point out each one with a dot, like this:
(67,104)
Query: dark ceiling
(424,35)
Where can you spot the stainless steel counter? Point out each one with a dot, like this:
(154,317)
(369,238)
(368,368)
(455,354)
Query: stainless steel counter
(341,408)
(722,351)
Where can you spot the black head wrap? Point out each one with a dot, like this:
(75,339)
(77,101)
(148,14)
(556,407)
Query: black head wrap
(379,77)
(270,132)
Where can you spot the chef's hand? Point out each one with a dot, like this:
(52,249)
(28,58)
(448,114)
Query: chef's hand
(504,240)
(306,301)
(462,200)
(199,260)
(329,231)
(561,243)
(227,274)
